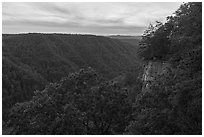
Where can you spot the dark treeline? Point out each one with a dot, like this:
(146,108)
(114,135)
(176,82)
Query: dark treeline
(85,103)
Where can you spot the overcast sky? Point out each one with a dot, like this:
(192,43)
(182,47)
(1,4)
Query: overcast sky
(86,18)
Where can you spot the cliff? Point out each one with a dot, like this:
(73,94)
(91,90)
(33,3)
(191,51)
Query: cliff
(151,71)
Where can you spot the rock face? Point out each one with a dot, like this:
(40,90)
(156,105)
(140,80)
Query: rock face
(151,70)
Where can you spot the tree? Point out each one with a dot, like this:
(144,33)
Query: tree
(154,42)
(174,103)
(78,104)
(187,23)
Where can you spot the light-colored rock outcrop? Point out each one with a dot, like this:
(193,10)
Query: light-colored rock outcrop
(151,70)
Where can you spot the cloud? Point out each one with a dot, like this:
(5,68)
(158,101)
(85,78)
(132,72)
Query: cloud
(96,18)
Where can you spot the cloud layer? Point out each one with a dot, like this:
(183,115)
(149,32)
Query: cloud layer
(95,18)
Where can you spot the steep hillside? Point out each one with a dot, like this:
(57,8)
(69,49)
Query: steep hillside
(152,70)
(67,53)
(30,61)
(173,103)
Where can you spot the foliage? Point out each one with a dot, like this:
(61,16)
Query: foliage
(181,31)
(84,103)
(78,104)
(30,61)
(173,106)
(187,23)
(16,82)
(155,42)
(174,103)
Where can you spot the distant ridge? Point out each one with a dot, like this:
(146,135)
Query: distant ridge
(125,36)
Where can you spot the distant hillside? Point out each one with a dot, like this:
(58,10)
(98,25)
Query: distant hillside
(125,37)
(30,61)
(133,40)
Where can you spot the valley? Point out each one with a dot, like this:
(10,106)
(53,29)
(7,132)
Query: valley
(31,61)
(84,84)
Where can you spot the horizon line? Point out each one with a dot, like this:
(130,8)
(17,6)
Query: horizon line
(69,34)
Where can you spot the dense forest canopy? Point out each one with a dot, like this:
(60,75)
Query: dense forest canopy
(85,103)
(174,103)
(79,104)
(182,31)
(30,61)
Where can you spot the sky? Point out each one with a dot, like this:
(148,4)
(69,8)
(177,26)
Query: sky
(124,18)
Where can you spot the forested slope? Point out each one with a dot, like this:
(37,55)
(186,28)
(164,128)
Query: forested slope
(133,40)
(173,103)
(85,103)
(30,61)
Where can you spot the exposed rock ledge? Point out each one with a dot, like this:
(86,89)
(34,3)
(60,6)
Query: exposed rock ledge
(151,70)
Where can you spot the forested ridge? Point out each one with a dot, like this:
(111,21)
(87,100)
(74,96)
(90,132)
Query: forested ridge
(173,102)
(84,102)
(30,61)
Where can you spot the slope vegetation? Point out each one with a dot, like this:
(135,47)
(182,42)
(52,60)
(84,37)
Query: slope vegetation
(30,61)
